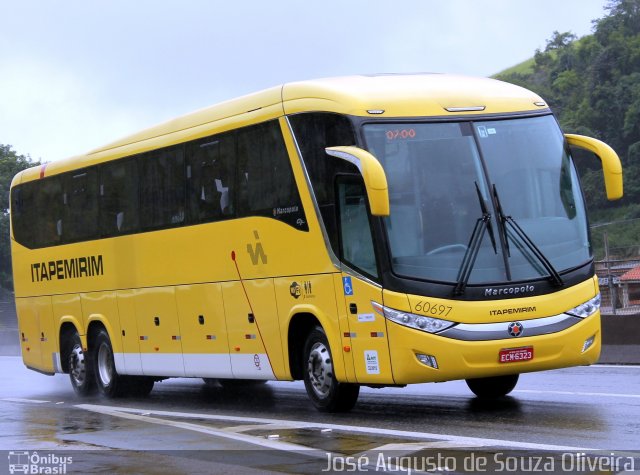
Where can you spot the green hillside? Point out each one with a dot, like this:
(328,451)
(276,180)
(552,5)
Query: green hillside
(593,86)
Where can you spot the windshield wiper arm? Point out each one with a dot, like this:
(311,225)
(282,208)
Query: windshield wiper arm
(485,212)
(482,224)
(524,239)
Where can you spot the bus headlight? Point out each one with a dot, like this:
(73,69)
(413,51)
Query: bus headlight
(411,320)
(586,309)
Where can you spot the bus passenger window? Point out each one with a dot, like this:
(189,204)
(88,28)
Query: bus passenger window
(118,198)
(162,190)
(266,185)
(210,177)
(81,210)
(49,205)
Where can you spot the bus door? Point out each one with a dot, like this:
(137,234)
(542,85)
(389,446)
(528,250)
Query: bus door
(367,329)
(254,338)
(159,332)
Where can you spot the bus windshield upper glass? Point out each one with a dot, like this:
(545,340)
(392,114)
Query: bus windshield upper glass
(445,177)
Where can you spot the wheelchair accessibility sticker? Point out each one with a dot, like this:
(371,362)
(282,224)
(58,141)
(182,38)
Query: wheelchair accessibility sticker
(346,285)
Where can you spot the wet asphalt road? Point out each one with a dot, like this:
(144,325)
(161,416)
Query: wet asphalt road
(271,428)
(185,426)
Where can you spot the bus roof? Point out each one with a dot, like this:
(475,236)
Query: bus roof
(381,95)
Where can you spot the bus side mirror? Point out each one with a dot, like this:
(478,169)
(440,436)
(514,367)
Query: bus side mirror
(375,180)
(611,166)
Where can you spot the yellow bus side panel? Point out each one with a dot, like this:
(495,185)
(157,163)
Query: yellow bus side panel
(40,341)
(29,332)
(68,307)
(159,332)
(103,307)
(312,295)
(129,361)
(253,332)
(204,331)
(369,338)
(263,247)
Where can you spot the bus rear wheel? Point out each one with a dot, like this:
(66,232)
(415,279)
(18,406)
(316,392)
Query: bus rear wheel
(80,368)
(493,387)
(324,390)
(109,382)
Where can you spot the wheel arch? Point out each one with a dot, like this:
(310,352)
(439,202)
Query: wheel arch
(69,325)
(299,327)
(99,322)
(301,322)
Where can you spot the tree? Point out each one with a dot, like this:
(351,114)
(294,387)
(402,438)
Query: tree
(593,86)
(560,40)
(10,164)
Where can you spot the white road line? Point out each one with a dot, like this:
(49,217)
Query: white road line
(269,427)
(265,443)
(466,441)
(576,393)
(19,399)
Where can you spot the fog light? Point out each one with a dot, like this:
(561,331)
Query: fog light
(428,360)
(588,343)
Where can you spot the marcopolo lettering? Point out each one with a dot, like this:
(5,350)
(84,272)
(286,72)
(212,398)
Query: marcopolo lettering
(61,269)
(515,290)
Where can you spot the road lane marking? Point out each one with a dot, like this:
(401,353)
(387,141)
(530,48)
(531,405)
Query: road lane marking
(576,393)
(249,427)
(466,441)
(254,440)
(19,399)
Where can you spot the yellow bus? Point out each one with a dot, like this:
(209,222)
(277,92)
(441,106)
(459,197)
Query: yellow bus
(375,230)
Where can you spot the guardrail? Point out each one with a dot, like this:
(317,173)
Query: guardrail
(620,339)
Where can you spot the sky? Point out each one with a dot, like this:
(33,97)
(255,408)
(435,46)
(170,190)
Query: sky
(77,74)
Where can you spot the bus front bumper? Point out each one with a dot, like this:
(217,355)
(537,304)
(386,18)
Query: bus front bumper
(419,357)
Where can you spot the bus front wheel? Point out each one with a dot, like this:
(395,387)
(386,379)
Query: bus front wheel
(80,368)
(493,387)
(324,390)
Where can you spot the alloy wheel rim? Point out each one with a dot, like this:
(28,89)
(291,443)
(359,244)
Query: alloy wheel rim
(77,365)
(105,364)
(320,369)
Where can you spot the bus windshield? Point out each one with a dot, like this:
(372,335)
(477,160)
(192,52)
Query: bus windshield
(445,177)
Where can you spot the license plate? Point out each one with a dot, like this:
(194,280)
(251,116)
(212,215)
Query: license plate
(513,355)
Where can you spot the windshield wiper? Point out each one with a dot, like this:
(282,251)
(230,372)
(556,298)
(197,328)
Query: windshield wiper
(482,224)
(525,244)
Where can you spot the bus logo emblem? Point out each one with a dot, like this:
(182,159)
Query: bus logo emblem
(295,290)
(256,254)
(515,329)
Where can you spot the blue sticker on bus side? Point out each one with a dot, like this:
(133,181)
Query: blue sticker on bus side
(346,285)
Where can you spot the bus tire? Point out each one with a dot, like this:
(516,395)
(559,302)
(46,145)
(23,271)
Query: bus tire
(80,367)
(109,382)
(324,390)
(493,387)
